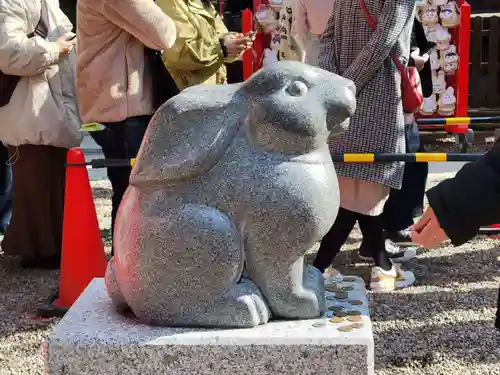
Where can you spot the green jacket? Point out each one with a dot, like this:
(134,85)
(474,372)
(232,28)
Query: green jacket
(196,56)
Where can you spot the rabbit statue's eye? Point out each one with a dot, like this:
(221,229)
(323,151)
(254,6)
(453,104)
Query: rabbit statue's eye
(297,88)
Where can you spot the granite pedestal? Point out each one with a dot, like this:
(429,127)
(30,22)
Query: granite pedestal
(93,339)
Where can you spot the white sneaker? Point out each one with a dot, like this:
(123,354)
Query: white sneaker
(398,254)
(387,281)
(332,274)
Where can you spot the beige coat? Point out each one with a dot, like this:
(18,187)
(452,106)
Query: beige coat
(111,80)
(43,109)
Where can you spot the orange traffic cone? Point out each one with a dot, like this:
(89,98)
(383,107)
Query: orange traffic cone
(83,255)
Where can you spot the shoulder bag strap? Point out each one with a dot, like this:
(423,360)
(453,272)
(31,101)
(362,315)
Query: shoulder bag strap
(373,25)
(41,29)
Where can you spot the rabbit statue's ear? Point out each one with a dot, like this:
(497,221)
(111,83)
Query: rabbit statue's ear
(188,134)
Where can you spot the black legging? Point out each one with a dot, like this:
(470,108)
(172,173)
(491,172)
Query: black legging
(373,244)
(405,204)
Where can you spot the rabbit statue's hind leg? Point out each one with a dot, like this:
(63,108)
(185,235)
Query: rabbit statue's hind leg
(242,306)
(185,270)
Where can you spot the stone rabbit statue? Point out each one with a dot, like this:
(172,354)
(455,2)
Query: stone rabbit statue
(232,186)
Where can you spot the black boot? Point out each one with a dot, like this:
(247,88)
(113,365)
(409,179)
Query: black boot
(373,244)
(334,239)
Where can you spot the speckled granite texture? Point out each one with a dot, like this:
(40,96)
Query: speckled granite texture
(232,180)
(93,339)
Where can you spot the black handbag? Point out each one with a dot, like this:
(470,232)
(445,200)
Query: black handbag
(164,86)
(8,83)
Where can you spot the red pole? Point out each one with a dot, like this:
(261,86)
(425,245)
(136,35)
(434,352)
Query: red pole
(462,79)
(261,39)
(246,26)
(256,5)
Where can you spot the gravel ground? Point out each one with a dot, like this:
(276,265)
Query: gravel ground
(441,325)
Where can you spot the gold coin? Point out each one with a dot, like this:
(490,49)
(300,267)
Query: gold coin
(358,325)
(331,284)
(341,295)
(347,328)
(337,319)
(353,313)
(335,308)
(354,318)
(355,302)
(340,313)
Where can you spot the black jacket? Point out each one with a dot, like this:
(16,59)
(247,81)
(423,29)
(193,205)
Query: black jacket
(419,40)
(470,200)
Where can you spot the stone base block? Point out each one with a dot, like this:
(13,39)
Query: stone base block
(93,339)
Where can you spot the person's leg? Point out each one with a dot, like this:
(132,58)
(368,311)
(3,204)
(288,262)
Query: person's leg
(398,210)
(371,199)
(373,243)
(334,239)
(49,256)
(17,236)
(404,204)
(497,314)
(385,275)
(31,232)
(133,133)
(420,172)
(121,141)
(5,189)
(111,140)
(395,253)
(58,182)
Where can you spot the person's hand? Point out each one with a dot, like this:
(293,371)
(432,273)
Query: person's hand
(250,34)
(427,231)
(65,45)
(420,61)
(236,44)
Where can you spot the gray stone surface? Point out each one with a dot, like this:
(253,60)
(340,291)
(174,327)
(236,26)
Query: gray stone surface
(232,180)
(93,339)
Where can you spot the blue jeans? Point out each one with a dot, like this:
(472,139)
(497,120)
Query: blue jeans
(120,140)
(5,189)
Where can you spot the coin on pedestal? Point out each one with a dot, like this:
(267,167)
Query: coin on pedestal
(337,319)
